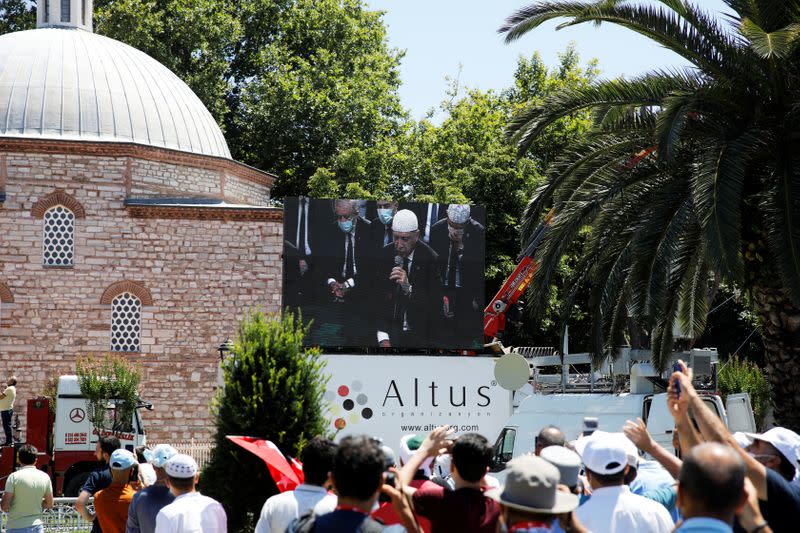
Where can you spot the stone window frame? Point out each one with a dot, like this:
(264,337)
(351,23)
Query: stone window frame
(59,197)
(137,291)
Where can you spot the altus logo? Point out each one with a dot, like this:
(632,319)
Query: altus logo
(348,404)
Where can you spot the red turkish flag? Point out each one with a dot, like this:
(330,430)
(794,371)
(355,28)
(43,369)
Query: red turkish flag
(286,475)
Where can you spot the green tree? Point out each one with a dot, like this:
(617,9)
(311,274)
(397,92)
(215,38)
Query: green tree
(17,15)
(109,381)
(273,390)
(466,157)
(688,177)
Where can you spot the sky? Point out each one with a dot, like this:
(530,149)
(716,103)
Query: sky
(441,35)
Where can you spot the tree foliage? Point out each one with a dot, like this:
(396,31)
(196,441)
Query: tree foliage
(111,387)
(273,390)
(739,375)
(464,156)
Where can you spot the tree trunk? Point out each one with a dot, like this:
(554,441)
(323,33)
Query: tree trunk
(780,329)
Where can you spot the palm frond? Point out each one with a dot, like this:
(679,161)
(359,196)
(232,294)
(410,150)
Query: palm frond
(779,43)
(783,211)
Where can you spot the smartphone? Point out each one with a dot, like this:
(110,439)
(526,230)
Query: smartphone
(677,384)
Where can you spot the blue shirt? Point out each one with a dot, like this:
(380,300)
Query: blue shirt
(668,497)
(704,525)
(97,481)
(650,475)
(783,503)
(145,507)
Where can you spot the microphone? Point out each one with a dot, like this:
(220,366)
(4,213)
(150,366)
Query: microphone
(398,261)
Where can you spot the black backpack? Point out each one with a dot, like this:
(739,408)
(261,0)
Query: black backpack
(306,523)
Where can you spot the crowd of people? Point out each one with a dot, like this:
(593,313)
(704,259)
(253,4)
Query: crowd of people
(152,491)
(385,274)
(714,481)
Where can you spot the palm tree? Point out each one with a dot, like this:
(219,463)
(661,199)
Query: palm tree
(688,177)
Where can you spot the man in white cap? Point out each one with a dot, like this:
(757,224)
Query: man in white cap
(777,449)
(530,501)
(191,512)
(459,242)
(409,294)
(111,504)
(148,502)
(612,507)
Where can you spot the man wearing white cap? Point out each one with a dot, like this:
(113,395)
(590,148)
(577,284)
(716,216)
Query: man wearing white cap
(148,502)
(459,242)
(777,449)
(612,507)
(408,285)
(191,512)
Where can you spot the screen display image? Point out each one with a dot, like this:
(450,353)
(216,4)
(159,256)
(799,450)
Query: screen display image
(385,274)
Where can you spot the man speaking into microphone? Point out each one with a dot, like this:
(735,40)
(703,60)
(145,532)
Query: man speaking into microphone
(409,286)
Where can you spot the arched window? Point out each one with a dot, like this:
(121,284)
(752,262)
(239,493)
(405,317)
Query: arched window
(126,323)
(58,244)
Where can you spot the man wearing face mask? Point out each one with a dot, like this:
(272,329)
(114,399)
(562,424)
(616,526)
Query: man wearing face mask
(344,273)
(382,224)
(407,283)
(459,242)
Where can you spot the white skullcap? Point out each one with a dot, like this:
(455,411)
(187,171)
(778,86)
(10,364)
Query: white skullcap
(181,466)
(458,213)
(405,221)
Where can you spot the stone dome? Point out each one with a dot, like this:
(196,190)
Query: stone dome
(71,84)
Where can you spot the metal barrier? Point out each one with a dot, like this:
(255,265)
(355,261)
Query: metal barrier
(62,518)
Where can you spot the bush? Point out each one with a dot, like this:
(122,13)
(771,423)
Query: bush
(273,390)
(109,382)
(739,375)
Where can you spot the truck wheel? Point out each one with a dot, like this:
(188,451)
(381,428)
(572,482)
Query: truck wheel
(73,486)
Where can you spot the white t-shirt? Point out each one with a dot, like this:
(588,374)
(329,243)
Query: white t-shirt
(279,510)
(192,513)
(618,510)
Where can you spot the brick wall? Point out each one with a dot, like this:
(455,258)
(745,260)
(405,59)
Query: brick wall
(201,274)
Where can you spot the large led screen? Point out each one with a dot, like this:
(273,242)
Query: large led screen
(385,274)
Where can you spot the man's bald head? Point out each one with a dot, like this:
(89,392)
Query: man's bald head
(549,436)
(711,482)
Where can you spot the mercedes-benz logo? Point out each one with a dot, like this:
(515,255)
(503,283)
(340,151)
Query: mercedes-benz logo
(77,415)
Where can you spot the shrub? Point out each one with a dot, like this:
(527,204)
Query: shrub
(273,390)
(111,387)
(740,375)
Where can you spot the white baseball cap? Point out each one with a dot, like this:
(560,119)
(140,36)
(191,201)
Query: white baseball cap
(603,454)
(159,455)
(785,441)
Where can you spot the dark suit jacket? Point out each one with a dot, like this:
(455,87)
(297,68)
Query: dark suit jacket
(320,218)
(332,260)
(467,302)
(378,233)
(422,307)
(421,210)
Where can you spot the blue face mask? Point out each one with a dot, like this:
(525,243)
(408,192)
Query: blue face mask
(385,215)
(345,225)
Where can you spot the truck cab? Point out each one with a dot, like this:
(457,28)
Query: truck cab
(66,439)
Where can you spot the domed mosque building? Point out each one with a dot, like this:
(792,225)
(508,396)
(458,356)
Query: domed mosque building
(125,226)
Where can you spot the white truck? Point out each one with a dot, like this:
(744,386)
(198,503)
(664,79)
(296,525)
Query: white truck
(567,411)
(66,441)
